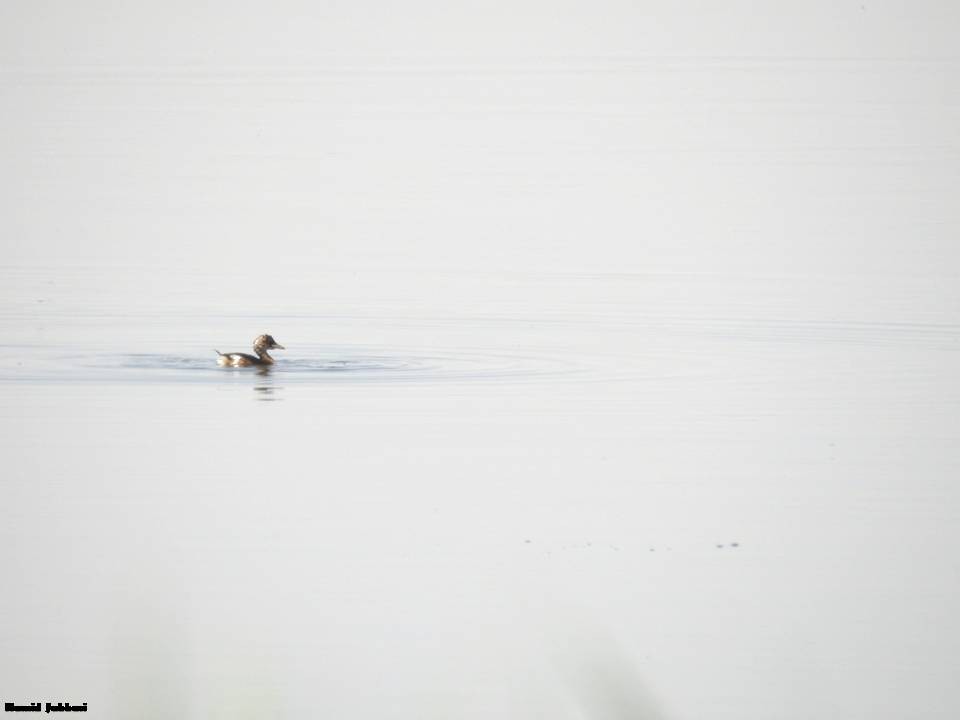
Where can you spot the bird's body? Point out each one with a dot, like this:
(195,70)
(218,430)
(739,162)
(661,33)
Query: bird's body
(239,360)
(261,345)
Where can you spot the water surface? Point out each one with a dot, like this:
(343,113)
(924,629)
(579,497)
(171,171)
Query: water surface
(620,382)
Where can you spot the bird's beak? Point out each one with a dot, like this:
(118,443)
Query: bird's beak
(278,345)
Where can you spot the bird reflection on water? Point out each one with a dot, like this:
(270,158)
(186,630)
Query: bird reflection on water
(267,389)
(266,393)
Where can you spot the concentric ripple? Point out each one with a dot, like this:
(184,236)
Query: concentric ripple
(354,365)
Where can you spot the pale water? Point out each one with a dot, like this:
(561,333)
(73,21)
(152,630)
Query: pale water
(618,384)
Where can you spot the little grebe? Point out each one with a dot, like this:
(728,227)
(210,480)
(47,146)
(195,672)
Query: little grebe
(260,347)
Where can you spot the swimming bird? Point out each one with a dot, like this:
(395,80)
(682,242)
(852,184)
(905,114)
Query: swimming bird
(260,347)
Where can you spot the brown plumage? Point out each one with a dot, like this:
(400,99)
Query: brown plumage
(260,347)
